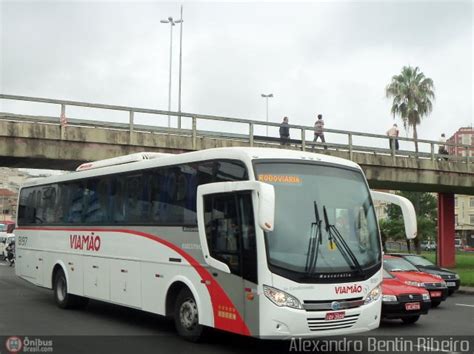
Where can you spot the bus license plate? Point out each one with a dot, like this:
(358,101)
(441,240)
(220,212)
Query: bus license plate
(435,294)
(411,306)
(331,316)
(451,283)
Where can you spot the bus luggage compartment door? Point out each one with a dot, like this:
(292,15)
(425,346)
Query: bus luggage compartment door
(96,278)
(37,268)
(125,282)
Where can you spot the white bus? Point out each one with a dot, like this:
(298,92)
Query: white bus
(267,243)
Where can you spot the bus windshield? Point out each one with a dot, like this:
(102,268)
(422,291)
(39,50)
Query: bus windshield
(302,192)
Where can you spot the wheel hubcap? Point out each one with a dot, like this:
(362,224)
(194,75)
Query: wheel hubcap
(188,314)
(61,289)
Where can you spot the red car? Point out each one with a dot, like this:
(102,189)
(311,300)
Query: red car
(408,274)
(403,301)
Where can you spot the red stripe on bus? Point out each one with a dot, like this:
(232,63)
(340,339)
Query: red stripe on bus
(226,315)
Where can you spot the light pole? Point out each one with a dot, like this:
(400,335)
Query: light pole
(172,23)
(3,204)
(180,64)
(266,99)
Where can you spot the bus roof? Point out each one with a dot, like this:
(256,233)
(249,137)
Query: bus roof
(245,154)
(139,156)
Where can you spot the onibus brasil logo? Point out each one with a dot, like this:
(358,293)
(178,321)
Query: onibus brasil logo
(14,344)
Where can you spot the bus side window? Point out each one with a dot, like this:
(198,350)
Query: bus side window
(190,200)
(64,203)
(26,210)
(49,202)
(76,202)
(155,192)
(146,200)
(39,206)
(230,171)
(135,198)
(96,201)
(117,201)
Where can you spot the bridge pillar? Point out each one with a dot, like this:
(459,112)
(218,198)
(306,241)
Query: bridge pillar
(445,250)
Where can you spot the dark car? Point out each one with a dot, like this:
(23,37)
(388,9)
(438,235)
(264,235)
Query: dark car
(403,301)
(451,278)
(410,275)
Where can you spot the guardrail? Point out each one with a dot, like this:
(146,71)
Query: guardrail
(249,137)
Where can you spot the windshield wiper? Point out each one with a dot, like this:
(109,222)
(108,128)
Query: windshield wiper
(341,244)
(314,241)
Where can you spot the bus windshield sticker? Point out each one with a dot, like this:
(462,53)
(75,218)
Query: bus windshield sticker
(284,179)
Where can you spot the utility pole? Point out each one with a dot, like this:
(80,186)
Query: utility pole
(172,23)
(180,64)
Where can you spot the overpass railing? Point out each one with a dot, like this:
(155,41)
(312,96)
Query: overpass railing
(428,148)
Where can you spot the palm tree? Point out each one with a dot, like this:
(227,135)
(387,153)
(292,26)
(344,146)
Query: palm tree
(412,94)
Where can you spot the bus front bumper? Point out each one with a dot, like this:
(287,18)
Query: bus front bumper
(286,323)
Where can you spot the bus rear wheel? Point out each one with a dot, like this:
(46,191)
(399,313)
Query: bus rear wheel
(186,316)
(62,298)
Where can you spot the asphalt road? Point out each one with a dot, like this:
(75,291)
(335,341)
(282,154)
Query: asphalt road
(29,311)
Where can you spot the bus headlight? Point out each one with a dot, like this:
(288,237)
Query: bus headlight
(389,298)
(373,295)
(281,298)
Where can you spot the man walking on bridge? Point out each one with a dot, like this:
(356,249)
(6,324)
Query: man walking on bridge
(319,131)
(442,146)
(393,133)
(284,132)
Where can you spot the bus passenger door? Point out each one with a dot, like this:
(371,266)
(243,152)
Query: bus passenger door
(227,231)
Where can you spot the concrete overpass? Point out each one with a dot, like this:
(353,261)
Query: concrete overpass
(34,141)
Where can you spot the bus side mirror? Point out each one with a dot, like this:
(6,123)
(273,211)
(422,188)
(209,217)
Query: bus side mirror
(265,203)
(266,206)
(408,211)
(263,200)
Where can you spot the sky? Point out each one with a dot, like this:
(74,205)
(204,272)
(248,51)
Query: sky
(329,57)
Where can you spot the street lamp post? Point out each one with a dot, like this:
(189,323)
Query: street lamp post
(266,99)
(172,23)
(180,64)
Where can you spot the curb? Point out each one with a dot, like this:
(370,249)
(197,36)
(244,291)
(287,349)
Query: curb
(466,290)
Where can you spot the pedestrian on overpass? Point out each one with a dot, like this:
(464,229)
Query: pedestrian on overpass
(393,133)
(442,146)
(284,132)
(319,131)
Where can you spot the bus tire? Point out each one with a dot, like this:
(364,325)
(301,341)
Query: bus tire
(62,298)
(186,316)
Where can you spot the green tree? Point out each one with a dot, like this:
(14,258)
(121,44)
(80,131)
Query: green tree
(412,95)
(426,214)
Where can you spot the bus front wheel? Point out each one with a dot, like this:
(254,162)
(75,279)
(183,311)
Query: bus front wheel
(186,316)
(62,298)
